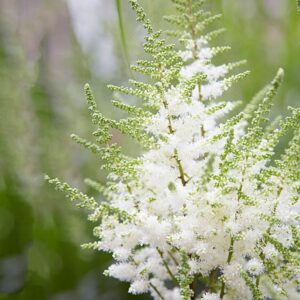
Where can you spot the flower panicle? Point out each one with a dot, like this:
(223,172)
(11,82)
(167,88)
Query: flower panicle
(207,211)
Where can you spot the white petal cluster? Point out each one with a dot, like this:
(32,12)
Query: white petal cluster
(209,296)
(202,54)
(177,206)
(206,212)
(174,211)
(254,266)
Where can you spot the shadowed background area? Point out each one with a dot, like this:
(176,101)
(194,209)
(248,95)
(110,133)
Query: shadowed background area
(48,50)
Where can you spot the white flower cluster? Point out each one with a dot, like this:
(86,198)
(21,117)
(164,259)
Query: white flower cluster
(205,213)
(214,87)
(177,206)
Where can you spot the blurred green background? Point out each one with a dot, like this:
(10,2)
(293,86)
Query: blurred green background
(48,50)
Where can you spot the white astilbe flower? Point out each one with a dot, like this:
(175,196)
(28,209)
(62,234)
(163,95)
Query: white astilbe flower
(139,287)
(205,212)
(214,87)
(122,271)
(270,251)
(255,267)
(209,296)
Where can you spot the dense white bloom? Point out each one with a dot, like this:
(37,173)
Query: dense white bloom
(139,287)
(270,251)
(254,266)
(205,204)
(213,90)
(122,271)
(209,296)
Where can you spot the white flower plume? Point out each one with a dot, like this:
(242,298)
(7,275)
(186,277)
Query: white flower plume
(205,212)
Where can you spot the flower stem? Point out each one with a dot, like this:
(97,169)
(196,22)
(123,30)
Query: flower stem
(166,266)
(157,291)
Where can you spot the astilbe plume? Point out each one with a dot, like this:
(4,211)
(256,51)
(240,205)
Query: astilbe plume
(206,212)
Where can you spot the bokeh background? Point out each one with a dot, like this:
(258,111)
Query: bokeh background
(48,50)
